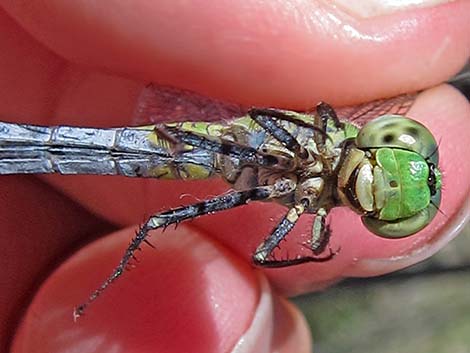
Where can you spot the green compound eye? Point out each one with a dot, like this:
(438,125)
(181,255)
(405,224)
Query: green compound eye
(401,132)
(404,227)
(386,134)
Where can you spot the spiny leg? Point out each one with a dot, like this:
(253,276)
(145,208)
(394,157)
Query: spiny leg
(326,112)
(265,249)
(265,118)
(262,255)
(246,154)
(297,261)
(279,133)
(161,220)
(180,157)
(320,232)
(280,115)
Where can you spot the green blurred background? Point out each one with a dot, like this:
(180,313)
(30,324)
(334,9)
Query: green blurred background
(425,308)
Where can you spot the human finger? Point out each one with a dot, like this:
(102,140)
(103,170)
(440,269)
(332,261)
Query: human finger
(39,226)
(289,54)
(191,297)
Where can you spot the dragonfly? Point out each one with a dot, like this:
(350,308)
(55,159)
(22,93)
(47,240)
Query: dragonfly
(374,160)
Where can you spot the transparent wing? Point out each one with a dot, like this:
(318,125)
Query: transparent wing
(362,113)
(164,104)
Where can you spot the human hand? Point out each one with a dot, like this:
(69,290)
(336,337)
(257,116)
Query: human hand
(192,294)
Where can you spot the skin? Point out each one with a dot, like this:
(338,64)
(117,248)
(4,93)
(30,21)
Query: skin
(82,63)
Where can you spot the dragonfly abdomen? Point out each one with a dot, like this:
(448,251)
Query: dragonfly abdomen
(131,152)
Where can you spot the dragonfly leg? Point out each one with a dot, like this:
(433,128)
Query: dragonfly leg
(263,254)
(266,118)
(296,261)
(326,112)
(281,188)
(267,122)
(245,154)
(320,232)
(284,116)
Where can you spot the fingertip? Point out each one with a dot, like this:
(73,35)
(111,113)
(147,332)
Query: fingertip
(277,326)
(187,295)
(289,54)
(292,333)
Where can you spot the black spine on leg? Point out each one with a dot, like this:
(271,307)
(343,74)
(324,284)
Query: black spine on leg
(175,216)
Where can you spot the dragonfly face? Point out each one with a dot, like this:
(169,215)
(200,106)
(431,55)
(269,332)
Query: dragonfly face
(391,176)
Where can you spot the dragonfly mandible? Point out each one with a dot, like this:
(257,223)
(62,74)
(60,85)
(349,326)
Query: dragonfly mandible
(385,169)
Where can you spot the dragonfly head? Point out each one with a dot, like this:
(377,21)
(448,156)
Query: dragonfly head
(393,177)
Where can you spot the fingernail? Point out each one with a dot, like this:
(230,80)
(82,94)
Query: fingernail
(373,8)
(273,318)
(257,337)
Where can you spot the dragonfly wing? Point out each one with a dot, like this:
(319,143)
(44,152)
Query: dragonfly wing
(166,104)
(362,113)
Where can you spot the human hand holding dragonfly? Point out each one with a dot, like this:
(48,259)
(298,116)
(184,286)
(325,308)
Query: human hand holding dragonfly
(192,293)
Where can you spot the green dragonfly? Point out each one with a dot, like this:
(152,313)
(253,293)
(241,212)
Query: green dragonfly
(385,168)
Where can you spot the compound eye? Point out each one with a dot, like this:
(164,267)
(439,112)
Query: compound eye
(401,132)
(404,227)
